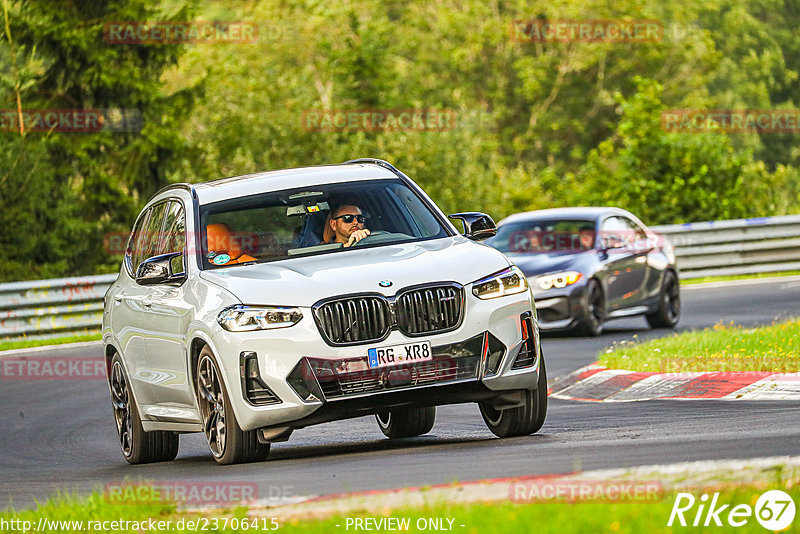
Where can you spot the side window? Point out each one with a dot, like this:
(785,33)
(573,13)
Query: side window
(615,232)
(136,242)
(174,235)
(153,231)
(174,229)
(638,231)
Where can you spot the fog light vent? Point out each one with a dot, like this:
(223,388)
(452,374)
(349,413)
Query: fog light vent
(255,390)
(527,352)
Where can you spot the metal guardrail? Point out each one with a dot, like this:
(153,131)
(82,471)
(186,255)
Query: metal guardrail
(66,306)
(53,308)
(740,246)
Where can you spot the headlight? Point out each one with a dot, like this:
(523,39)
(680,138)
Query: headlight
(508,282)
(246,318)
(558,280)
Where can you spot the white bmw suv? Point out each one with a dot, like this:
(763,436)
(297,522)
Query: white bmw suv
(241,311)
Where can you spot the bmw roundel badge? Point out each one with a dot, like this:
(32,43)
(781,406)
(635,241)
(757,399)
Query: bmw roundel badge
(385,283)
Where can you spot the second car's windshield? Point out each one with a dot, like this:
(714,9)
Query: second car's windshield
(545,236)
(297,222)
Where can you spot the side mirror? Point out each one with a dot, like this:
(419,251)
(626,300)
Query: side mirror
(477,226)
(163,269)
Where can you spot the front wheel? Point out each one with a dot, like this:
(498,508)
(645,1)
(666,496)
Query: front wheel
(406,422)
(523,420)
(229,444)
(590,321)
(668,312)
(138,446)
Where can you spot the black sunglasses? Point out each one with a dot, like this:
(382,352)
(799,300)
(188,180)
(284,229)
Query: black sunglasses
(347,219)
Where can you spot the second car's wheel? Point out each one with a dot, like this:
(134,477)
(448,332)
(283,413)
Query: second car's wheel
(523,420)
(593,309)
(668,312)
(138,446)
(406,422)
(228,442)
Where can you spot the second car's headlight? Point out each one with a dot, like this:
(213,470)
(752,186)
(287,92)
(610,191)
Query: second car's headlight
(508,282)
(558,280)
(247,318)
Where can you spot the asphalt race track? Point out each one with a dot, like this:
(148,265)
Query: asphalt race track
(59,435)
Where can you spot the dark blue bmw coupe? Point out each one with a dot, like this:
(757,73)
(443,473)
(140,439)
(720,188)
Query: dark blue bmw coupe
(589,265)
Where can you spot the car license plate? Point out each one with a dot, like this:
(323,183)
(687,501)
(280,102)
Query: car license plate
(399,354)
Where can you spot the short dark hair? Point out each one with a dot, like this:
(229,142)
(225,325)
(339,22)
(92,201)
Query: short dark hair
(339,205)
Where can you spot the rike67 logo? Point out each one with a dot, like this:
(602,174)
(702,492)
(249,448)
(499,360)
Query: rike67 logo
(774,510)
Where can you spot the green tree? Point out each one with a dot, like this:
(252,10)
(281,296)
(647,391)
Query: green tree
(105,175)
(672,177)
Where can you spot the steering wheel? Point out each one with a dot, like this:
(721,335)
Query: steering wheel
(379,236)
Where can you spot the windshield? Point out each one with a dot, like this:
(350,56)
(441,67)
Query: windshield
(297,222)
(545,236)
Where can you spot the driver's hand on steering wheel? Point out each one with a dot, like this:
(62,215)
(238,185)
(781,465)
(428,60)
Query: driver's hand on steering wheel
(357,236)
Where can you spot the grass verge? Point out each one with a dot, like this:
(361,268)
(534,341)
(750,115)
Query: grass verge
(705,279)
(484,518)
(28,343)
(729,348)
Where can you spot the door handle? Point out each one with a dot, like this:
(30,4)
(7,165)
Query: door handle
(118,299)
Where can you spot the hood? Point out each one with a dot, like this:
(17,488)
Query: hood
(303,281)
(543,263)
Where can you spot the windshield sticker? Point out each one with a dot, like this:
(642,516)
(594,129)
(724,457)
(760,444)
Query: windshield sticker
(221,259)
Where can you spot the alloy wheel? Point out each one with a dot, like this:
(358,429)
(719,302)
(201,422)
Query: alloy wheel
(672,299)
(120,398)
(212,406)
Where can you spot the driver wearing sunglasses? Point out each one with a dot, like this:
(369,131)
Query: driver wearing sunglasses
(347,223)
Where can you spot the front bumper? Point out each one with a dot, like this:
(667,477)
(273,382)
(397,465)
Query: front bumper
(559,309)
(471,363)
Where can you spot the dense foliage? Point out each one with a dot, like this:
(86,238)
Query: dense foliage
(538,124)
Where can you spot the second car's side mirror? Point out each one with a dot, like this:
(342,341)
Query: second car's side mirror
(477,225)
(163,269)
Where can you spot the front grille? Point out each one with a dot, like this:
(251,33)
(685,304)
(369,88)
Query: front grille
(429,310)
(415,312)
(354,319)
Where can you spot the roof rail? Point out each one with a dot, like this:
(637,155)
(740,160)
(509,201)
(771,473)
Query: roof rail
(375,161)
(184,186)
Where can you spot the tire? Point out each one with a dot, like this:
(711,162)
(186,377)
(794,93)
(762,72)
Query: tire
(668,312)
(229,444)
(406,422)
(138,446)
(523,420)
(593,308)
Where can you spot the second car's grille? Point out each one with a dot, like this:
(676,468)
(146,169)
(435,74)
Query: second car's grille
(354,319)
(416,312)
(429,310)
